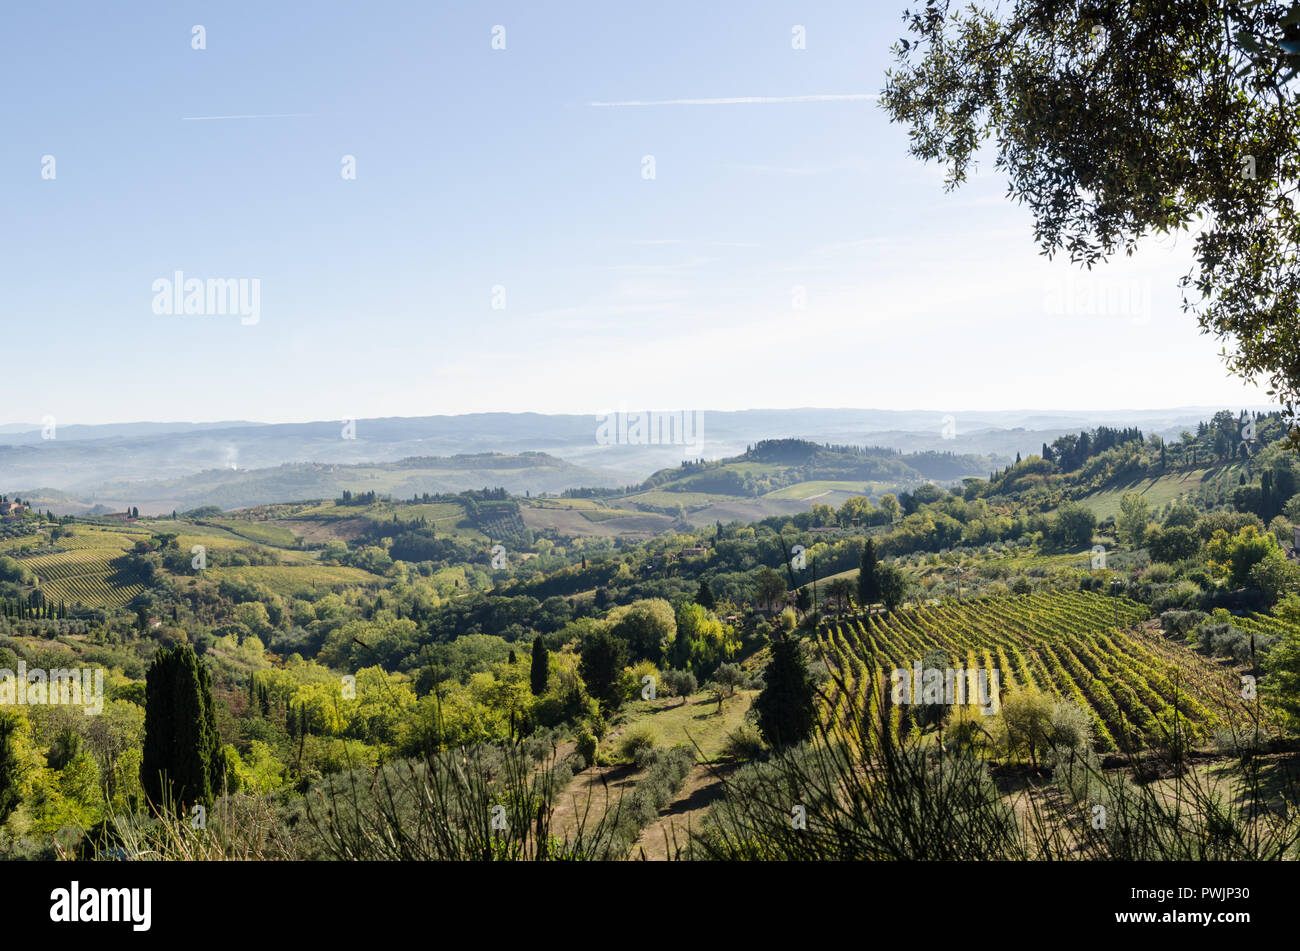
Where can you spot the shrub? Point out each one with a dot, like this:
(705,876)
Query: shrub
(1180,622)
(744,743)
(665,772)
(1240,741)
(1223,639)
(635,682)
(635,741)
(1180,596)
(1071,727)
(1158,574)
(586,748)
(679,683)
(967,729)
(1174,544)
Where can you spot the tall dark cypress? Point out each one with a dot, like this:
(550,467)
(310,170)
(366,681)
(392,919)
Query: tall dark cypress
(540,672)
(182,762)
(786,707)
(10,767)
(868,576)
(704,596)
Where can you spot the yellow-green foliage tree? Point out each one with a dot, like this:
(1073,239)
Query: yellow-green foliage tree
(1233,556)
(387,640)
(1134,514)
(702,641)
(259,772)
(647,627)
(491,706)
(58,784)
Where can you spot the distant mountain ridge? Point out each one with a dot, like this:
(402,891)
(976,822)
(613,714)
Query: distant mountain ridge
(117,460)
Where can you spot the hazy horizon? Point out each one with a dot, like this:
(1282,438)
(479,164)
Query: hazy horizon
(31,426)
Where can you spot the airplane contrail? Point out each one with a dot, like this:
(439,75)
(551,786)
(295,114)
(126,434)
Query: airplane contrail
(732,100)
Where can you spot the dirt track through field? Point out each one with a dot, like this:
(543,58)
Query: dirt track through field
(585,801)
(595,790)
(669,834)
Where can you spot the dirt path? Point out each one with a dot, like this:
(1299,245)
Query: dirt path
(592,792)
(670,832)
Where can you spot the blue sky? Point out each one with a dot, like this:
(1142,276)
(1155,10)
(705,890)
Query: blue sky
(478,168)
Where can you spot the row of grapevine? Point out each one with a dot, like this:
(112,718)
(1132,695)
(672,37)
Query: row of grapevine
(1081,645)
(88,576)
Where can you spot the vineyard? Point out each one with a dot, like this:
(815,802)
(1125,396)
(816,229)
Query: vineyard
(89,576)
(1134,682)
(92,536)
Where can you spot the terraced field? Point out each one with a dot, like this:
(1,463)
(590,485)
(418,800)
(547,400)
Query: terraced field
(1070,645)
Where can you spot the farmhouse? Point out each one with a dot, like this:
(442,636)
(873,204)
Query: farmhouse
(12,509)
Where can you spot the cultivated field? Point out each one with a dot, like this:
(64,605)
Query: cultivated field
(1210,486)
(90,576)
(1134,681)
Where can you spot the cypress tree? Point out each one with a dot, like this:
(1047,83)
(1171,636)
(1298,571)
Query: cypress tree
(785,707)
(704,596)
(10,798)
(183,762)
(868,576)
(601,664)
(540,671)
